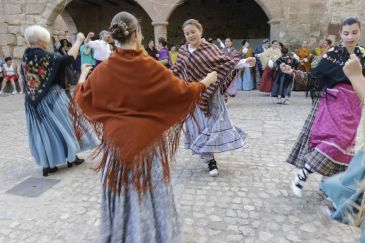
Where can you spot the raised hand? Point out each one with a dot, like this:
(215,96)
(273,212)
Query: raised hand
(80,37)
(286,69)
(90,35)
(85,70)
(353,67)
(251,61)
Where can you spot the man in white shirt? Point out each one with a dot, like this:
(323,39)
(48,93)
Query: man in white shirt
(101,47)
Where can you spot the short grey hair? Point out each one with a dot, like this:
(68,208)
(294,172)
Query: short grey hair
(35,33)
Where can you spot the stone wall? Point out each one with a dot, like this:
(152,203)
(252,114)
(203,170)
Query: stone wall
(289,20)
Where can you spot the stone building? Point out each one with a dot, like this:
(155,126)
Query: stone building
(289,21)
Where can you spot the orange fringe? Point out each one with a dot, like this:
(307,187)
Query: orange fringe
(137,172)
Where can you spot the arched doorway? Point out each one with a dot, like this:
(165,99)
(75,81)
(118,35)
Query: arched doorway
(64,25)
(238,19)
(95,15)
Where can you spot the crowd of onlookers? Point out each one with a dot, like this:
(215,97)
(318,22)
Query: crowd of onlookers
(95,51)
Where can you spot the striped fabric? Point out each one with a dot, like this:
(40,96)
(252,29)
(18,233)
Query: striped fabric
(195,66)
(215,133)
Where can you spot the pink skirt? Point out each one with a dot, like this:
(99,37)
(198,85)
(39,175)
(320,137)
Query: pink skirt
(334,129)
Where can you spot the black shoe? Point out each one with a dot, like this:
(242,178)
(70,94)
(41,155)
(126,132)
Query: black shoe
(213,168)
(77,161)
(49,170)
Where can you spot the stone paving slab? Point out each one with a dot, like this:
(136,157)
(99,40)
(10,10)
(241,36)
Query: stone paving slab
(32,187)
(250,201)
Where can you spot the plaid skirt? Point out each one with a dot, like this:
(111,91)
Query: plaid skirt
(301,153)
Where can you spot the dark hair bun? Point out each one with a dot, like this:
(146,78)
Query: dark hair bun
(122,26)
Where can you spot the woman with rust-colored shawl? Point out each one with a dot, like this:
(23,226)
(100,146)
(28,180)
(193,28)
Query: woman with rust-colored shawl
(139,121)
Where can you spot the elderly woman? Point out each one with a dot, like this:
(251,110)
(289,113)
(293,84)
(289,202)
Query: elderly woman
(137,199)
(52,139)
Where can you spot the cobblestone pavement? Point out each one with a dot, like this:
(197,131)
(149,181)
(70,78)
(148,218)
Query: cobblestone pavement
(249,202)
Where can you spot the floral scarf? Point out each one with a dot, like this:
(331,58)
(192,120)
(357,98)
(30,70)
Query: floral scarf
(37,70)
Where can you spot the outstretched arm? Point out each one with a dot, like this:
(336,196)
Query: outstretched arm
(299,76)
(74,51)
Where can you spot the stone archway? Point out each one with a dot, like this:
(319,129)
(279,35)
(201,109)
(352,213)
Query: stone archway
(161,11)
(289,21)
(64,22)
(98,15)
(230,18)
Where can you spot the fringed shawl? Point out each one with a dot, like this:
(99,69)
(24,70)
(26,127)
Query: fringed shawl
(205,59)
(137,107)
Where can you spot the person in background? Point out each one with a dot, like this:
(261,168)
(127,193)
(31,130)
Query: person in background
(229,50)
(151,50)
(173,54)
(87,55)
(304,55)
(102,48)
(268,59)
(319,52)
(10,74)
(64,47)
(283,83)
(164,55)
(265,44)
(245,80)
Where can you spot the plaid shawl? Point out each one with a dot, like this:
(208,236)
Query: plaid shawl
(193,67)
